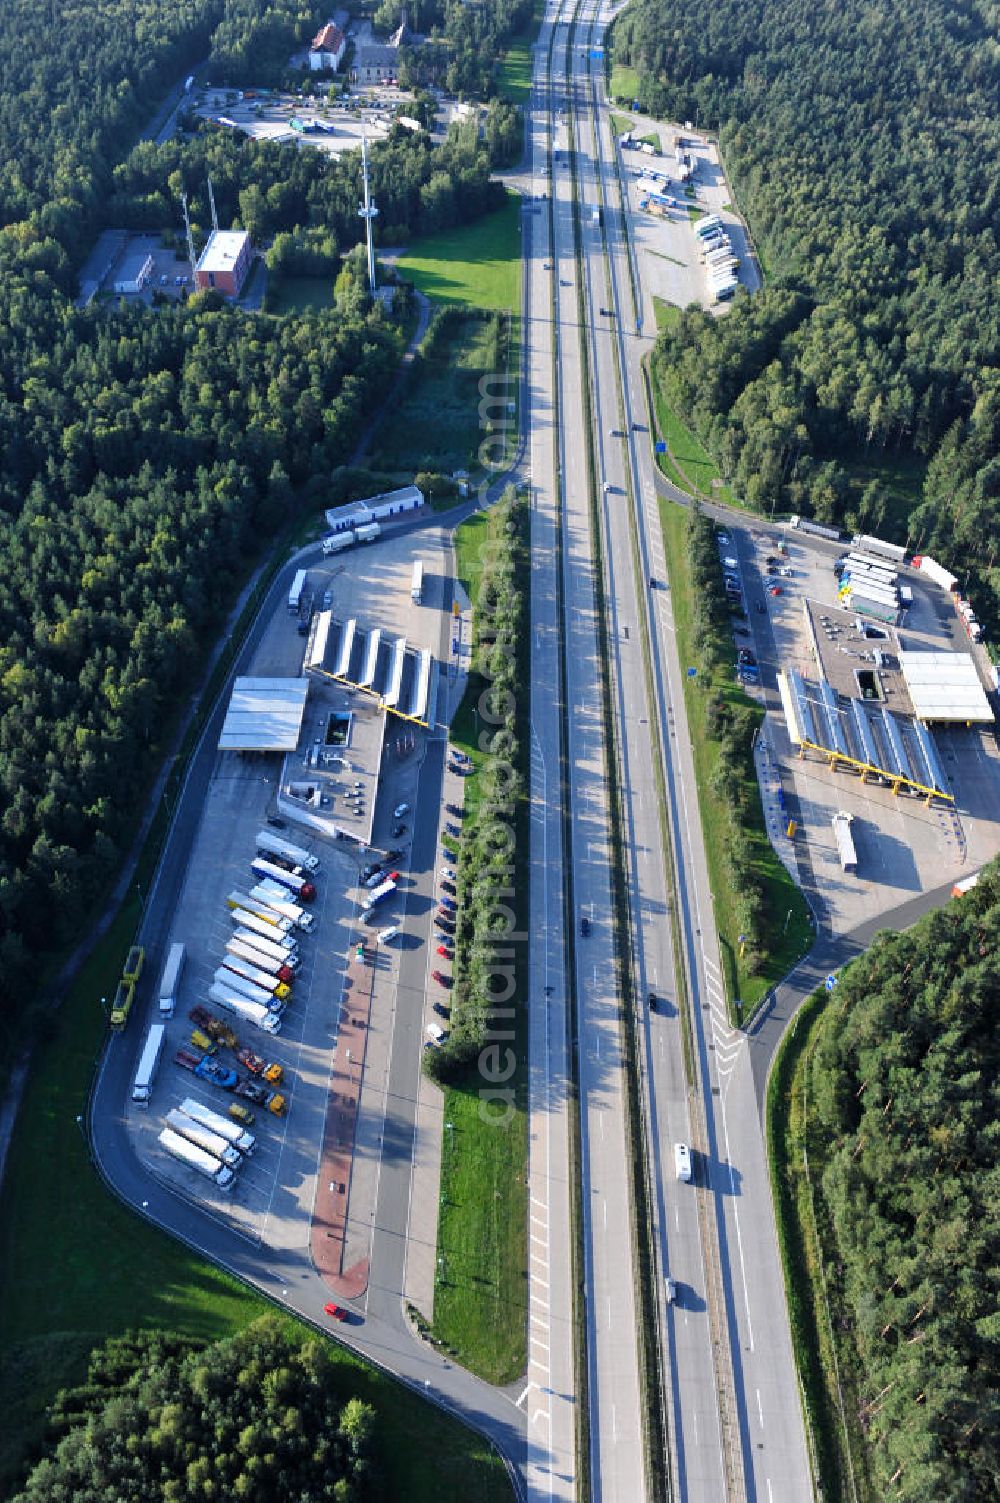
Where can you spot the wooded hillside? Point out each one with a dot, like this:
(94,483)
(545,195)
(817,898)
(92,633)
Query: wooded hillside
(863,143)
(904,1097)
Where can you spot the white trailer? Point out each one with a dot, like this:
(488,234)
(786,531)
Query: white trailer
(224,1126)
(264,870)
(295,593)
(940,575)
(149,1059)
(338,542)
(170,980)
(242,949)
(244,1007)
(864,543)
(196,1158)
(845,842)
(294,853)
(196,1132)
(384,890)
(243,987)
(417,582)
(240,968)
(279,900)
(803,524)
(268,936)
(267,947)
(252,904)
(367,532)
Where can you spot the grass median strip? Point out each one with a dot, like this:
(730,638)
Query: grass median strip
(480,1299)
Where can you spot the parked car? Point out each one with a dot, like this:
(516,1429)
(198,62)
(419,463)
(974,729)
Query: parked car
(455,809)
(449,904)
(446,952)
(335,1312)
(454,831)
(441,978)
(442,1009)
(394,854)
(774,589)
(444,922)
(400,810)
(436,1034)
(367,872)
(449,887)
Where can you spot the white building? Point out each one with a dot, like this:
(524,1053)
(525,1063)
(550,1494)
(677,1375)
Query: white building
(134,273)
(327,49)
(374,508)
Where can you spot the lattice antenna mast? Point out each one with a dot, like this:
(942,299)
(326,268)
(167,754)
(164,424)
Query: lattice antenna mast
(190,239)
(368,213)
(211,199)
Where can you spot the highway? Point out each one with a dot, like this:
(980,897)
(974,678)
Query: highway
(756,1434)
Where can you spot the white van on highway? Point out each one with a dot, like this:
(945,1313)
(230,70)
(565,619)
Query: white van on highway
(682,1161)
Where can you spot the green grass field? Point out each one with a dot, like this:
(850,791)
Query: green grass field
(666,314)
(300,294)
(686,462)
(624,84)
(480,1300)
(788,929)
(478,264)
(514,73)
(437,425)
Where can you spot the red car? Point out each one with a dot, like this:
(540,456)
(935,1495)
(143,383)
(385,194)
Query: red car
(775,589)
(445,953)
(441,978)
(335,1312)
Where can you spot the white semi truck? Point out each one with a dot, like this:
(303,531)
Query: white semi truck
(224,1126)
(297,854)
(196,1158)
(267,947)
(273,938)
(243,949)
(196,1132)
(384,890)
(149,1059)
(295,593)
(233,1001)
(282,904)
(170,980)
(263,910)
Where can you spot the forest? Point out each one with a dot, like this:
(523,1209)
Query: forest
(863,144)
(161,1417)
(903,1135)
(465,42)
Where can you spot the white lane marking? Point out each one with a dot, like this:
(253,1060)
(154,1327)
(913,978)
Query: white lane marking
(760,1410)
(522,1396)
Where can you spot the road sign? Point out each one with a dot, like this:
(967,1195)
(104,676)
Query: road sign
(692,673)
(831,981)
(661,446)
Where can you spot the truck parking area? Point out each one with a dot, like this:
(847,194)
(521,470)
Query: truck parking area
(789,620)
(246,818)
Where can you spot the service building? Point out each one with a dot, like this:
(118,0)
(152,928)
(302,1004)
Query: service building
(224,262)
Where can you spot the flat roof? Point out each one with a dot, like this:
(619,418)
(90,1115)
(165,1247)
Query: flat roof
(222,251)
(264,714)
(945,686)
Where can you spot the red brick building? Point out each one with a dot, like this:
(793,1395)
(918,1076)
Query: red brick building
(224,262)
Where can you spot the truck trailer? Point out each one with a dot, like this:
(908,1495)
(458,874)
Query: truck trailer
(338,542)
(121,1004)
(170,980)
(234,969)
(367,532)
(297,854)
(224,1126)
(281,901)
(243,1007)
(270,934)
(251,904)
(149,1060)
(242,949)
(845,842)
(271,871)
(268,947)
(196,1158)
(417,582)
(204,1138)
(384,890)
(295,593)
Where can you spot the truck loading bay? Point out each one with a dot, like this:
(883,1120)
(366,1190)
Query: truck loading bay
(342,1022)
(905,843)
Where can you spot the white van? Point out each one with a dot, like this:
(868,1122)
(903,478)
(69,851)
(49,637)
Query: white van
(682,1161)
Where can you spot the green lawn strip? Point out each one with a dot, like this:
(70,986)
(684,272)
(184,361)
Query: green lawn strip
(694,463)
(667,314)
(436,425)
(624,84)
(78,1267)
(620,124)
(801,1255)
(480,1299)
(514,73)
(478,264)
(787,929)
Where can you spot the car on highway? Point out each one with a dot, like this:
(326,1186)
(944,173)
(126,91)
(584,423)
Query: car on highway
(615,433)
(335,1312)
(400,810)
(651,1000)
(682,1162)
(669,1290)
(585,926)
(607,487)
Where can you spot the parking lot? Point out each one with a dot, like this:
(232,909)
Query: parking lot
(332,125)
(904,846)
(275,1190)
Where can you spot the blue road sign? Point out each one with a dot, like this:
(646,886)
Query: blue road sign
(692,673)
(831,982)
(661,446)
